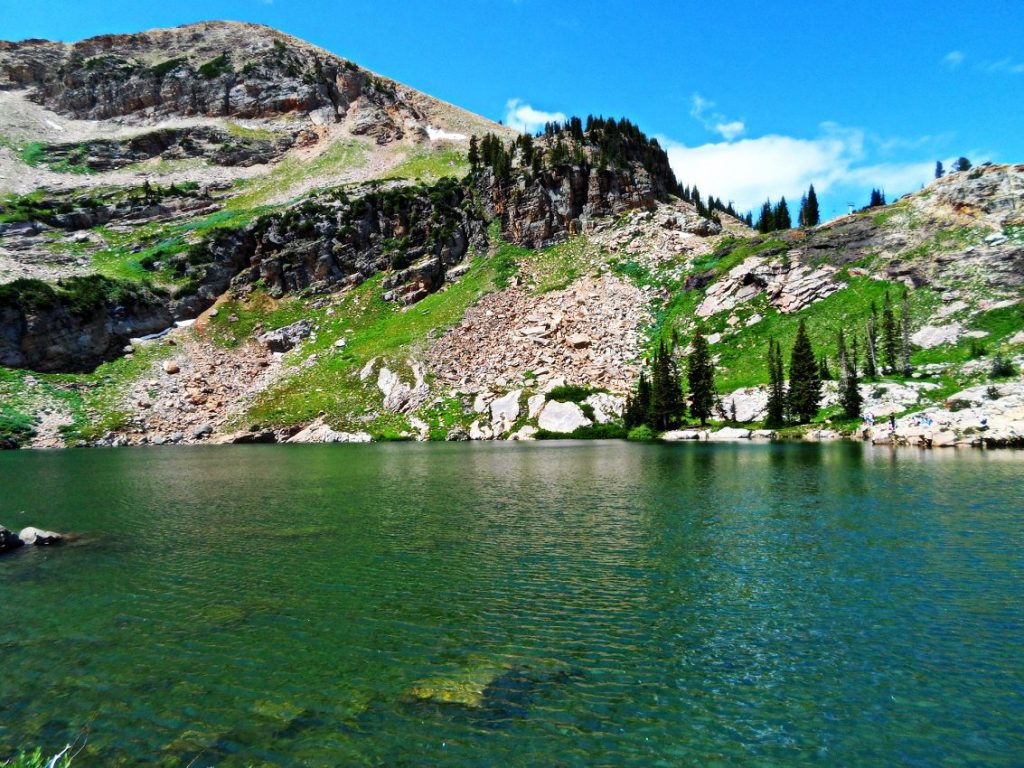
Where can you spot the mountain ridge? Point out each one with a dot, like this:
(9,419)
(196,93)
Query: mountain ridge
(374,278)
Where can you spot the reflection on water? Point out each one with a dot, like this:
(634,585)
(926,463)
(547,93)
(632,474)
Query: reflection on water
(568,604)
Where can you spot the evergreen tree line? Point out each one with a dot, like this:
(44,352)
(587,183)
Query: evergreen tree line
(659,401)
(774,218)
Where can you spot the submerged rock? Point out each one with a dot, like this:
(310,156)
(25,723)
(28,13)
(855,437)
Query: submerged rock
(9,540)
(39,537)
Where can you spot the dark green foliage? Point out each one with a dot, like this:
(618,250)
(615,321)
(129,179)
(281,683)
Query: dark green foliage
(776,409)
(804,384)
(905,367)
(667,406)
(890,342)
(774,218)
(640,434)
(638,404)
(700,376)
(217,67)
(474,153)
(810,216)
(593,432)
(80,295)
(871,344)
(164,68)
(939,171)
(877,198)
(569,393)
(823,372)
(782,217)
(962,164)
(849,391)
(1002,367)
(976,349)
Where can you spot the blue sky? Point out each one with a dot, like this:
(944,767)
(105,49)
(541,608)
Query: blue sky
(751,98)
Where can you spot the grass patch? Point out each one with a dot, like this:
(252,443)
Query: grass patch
(430,165)
(291,171)
(243,132)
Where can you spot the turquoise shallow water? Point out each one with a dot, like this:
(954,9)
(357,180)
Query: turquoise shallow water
(602,603)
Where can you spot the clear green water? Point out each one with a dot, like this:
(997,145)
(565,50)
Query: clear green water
(610,604)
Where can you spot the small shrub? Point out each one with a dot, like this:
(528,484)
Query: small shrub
(976,350)
(1002,367)
(569,393)
(216,67)
(958,405)
(641,434)
(992,393)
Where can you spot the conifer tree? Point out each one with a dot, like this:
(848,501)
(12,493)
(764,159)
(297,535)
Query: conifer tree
(474,153)
(871,343)
(766,220)
(939,170)
(776,409)
(823,372)
(849,390)
(905,368)
(890,346)
(810,216)
(804,384)
(638,404)
(962,164)
(667,406)
(700,375)
(781,215)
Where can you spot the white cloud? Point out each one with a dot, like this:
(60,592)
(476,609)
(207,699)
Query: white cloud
(954,59)
(749,171)
(1005,66)
(525,119)
(704,111)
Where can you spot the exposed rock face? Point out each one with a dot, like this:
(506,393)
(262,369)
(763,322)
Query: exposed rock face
(789,285)
(567,200)
(209,69)
(934,335)
(62,331)
(205,142)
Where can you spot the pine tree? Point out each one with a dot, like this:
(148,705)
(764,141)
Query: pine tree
(849,389)
(905,368)
(474,153)
(804,384)
(638,404)
(700,375)
(766,220)
(877,198)
(890,346)
(939,171)
(871,343)
(823,372)
(667,406)
(776,409)
(781,215)
(962,164)
(810,216)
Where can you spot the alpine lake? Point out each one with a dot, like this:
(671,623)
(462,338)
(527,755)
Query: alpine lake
(547,604)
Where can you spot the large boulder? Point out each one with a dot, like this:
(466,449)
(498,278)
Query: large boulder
(283,339)
(730,433)
(9,540)
(562,418)
(506,409)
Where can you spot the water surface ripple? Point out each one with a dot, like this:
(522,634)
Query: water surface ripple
(605,603)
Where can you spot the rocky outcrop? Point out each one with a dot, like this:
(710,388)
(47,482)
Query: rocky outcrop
(206,142)
(75,325)
(210,69)
(319,432)
(789,285)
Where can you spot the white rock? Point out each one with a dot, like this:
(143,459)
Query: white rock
(730,433)
(678,435)
(534,406)
(934,335)
(319,432)
(751,403)
(606,407)
(506,409)
(367,370)
(526,433)
(562,417)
